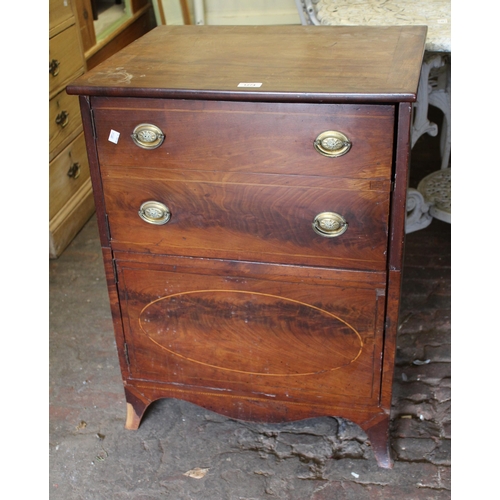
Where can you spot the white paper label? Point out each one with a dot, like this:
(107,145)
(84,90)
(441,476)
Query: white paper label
(442,21)
(114,136)
(246,84)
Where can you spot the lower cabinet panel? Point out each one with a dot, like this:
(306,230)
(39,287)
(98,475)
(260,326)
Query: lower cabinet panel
(273,337)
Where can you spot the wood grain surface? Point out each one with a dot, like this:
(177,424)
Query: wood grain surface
(65,49)
(61,185)
(247,217)
(243,180)
(292,63)
(65,121)
(297,341)
(252,137)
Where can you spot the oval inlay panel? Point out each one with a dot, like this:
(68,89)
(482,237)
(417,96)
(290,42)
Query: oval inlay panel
(250,332)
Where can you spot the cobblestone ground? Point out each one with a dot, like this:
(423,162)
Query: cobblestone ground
(92,457)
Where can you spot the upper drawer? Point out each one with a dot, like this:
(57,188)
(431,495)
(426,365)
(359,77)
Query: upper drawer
(247,137)
(65,58)
(59,11)
(64,119)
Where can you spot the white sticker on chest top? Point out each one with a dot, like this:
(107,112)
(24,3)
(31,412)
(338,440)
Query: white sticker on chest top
(249,84)
(114,136)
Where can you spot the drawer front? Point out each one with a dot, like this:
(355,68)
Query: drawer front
(59,11)
(65,58)
(247,137)
(255,217)
(288,340)
(67,173)
(64,119)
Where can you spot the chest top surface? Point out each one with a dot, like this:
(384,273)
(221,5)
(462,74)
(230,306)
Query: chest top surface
(265,63)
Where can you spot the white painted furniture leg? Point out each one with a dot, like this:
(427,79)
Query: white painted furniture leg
(417,211)
(199,12)
(434,89)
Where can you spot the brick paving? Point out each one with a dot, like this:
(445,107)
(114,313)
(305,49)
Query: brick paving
(92,457)
(421,412)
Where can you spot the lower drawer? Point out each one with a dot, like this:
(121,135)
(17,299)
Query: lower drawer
(291,334)
(253,217)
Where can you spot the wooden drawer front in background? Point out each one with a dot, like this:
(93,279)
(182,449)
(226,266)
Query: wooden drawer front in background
(65,58)
(247,137)
(248,216)
(64,119)
(295,340)
(67,173)
(59,12)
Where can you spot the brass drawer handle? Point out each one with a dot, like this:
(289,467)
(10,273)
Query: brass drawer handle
(148,136)
(62,119)
(54,67)
(332,144)
(329,224)
(74,171)
(154,212)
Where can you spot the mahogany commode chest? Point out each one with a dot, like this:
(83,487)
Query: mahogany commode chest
(250,187)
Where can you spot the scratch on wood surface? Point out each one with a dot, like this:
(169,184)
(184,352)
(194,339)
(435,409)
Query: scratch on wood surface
(117,75)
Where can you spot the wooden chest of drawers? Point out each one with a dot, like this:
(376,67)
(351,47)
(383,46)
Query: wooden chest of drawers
(70,190)
(250,187)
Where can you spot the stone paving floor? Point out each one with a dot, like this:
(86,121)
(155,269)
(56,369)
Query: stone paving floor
(183,452)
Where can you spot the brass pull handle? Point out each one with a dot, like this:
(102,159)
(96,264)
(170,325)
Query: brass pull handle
(332,144)
(74,171)
(62,119)
(329,224)
(54,67)
(154,212)
(148,136)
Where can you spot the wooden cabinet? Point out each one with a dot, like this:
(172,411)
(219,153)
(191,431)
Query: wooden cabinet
(251,210)
(70,189)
